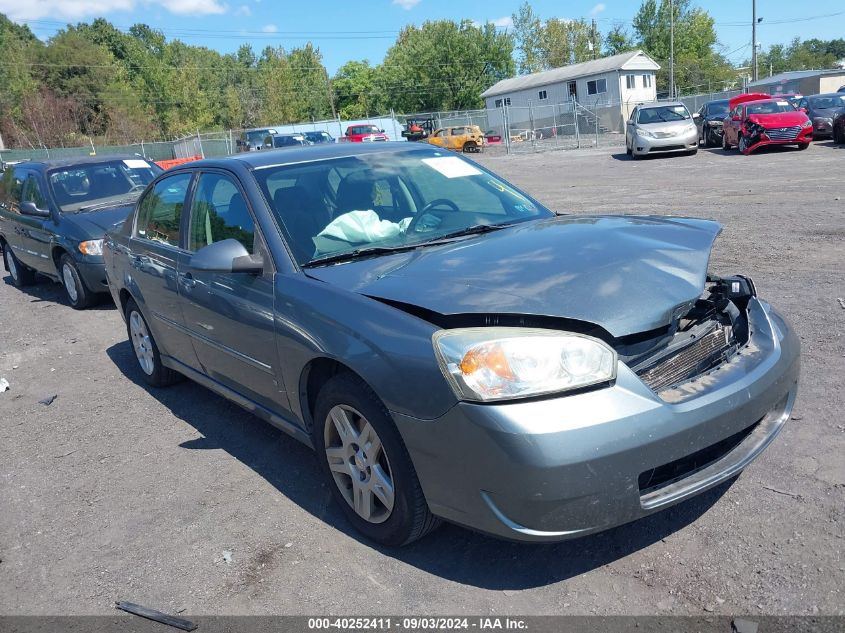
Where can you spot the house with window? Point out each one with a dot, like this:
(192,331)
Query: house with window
(610,87)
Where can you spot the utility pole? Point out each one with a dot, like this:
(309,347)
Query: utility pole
(671,49)
(593,38)
(754,40)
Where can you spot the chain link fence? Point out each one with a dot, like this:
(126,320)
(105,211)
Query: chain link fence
(151,151)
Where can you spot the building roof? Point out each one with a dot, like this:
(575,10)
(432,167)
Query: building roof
(574,71)
(795,74)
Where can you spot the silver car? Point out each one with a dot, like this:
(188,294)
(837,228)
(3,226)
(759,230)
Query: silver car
(450,348)
(661,128)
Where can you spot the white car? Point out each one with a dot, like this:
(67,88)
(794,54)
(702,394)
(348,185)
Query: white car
(661,128)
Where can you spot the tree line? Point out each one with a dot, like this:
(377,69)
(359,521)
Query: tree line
(92,82)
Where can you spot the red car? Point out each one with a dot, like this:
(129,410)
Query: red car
(363,133)
(757,119)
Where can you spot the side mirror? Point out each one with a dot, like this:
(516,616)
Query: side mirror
(735,118)
(804,110)
(382,131)
(29,208)
(228,256)
(696,116)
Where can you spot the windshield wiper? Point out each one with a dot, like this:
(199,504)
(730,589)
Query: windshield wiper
(111,203)
(473,229)
(381,250)
(359,252)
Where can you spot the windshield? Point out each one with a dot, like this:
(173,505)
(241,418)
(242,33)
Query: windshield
(365,129)
(717,108)
(662,114)
(769,107)
(80,187)
(387,200)
(826,103)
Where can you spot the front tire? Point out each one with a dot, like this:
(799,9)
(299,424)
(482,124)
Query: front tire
(725,145)
(367,465)
(78,294)
(704,140)
(146,350)
(20,274)
(803,146)
(743,145)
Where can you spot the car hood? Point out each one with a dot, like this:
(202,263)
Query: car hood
(626,274)
(779,119)
(672,127)
(96,223)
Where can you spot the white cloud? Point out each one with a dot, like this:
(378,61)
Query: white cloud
(243,10)
(77,9)
(504,22)
(269,28)
(192,7)
(64,9)
(598,8)
(407,4)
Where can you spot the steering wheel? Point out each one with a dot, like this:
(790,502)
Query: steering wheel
(412,226)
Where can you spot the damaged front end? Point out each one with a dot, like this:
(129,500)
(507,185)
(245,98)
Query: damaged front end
(698,341)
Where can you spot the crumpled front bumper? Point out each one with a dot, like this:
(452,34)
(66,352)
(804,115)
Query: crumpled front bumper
(551,469)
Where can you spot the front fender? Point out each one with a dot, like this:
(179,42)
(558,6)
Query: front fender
(388,348)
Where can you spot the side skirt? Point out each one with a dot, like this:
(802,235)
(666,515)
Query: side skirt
(284,425)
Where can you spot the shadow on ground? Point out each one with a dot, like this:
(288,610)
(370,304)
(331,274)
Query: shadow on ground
(451,552)
(49,292)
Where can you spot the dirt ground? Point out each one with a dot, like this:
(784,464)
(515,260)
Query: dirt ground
(119,492)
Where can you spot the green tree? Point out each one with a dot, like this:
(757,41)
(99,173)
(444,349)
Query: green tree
(357,90)
(444,65)
(696,62)
(565,42)
(528,36)
(618,40)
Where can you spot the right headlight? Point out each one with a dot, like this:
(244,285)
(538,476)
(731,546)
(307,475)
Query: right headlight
(502,363)
(643,132)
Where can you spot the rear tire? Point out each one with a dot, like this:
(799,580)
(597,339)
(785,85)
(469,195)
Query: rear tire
(20,274)
(368,451)
(146,351)
(470,147)
(78,294)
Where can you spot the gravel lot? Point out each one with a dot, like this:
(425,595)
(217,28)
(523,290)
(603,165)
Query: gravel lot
(117,492)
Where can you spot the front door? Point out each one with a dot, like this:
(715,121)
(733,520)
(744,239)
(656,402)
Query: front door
(230,315)
(34,236)
(154,255)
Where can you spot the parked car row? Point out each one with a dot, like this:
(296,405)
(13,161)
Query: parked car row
(431,331)
(745,119)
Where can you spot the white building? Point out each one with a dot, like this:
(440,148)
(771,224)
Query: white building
(610,87)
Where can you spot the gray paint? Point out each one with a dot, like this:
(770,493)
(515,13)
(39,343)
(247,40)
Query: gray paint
(539,469)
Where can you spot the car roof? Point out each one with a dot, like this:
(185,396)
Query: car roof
(825,95)
(73,161)
(310,153)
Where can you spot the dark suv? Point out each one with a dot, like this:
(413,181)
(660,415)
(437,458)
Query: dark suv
(53,215)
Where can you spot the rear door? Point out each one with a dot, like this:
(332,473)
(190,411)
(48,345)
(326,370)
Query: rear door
(11,187)
(230,315)
(155,251)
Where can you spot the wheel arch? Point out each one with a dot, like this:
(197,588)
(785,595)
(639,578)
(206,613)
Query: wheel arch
(316,373)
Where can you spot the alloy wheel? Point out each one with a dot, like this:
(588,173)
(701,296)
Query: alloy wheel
(141,343)
(70,283)
(359,464)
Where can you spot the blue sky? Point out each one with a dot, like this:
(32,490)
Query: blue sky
(365,29)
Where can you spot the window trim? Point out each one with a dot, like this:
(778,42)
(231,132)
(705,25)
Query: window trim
(648,80)
(195,184)
(596,83)
(630,81)
(542,95)
(189,200)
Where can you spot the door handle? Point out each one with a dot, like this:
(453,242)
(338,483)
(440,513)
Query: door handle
(140,259)
(188,281)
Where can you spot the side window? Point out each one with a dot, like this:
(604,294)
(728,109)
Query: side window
(32,192)
(10,189)
(219,212)
(160,212)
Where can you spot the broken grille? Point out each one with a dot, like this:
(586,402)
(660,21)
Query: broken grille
(692,360)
